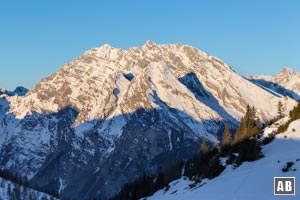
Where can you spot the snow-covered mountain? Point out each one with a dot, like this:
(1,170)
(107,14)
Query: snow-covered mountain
(111,115)
(87,83)
(251,180)
(286,82)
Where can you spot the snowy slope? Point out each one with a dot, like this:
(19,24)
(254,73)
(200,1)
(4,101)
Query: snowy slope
(252,180)
(10,190)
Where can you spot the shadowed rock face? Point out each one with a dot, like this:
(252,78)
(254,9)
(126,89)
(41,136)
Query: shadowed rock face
(111,115)
(94,162)
(98,165)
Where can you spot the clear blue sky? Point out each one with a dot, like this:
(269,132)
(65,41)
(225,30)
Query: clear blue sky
(254,36)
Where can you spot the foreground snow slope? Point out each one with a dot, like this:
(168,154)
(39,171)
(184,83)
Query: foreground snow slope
(252,180)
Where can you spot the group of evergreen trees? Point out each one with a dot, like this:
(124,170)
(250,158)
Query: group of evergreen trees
(280,110)
(15,178)
(19,180)
(280,114)
(203,146)
(244,147)
(13,191)
(249,125)
(227,138)
(204,165)
(149,184)
(293,115)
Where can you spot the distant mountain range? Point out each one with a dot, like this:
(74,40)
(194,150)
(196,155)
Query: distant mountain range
(111,115)
(286,82)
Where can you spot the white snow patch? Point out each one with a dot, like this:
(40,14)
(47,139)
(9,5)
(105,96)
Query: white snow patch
(62,185)
(81,128)
(170,139)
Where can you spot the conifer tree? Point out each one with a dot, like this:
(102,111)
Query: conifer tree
(239,135)
(216,144)
(226,138)
(280,109)
(295,113)
(160,181)
(17,192)
(253,112)
(2,184)
(9,191)
(203,146)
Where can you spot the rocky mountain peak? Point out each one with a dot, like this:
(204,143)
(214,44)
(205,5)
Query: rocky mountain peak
(286,70)
(248,76)
(288,78)
(149,44)
(19,91)
(106,46)
(285,73)
(2,91)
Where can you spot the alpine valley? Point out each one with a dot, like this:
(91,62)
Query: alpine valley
(112,115)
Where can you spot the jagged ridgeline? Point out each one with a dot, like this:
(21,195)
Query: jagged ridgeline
(111,115)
